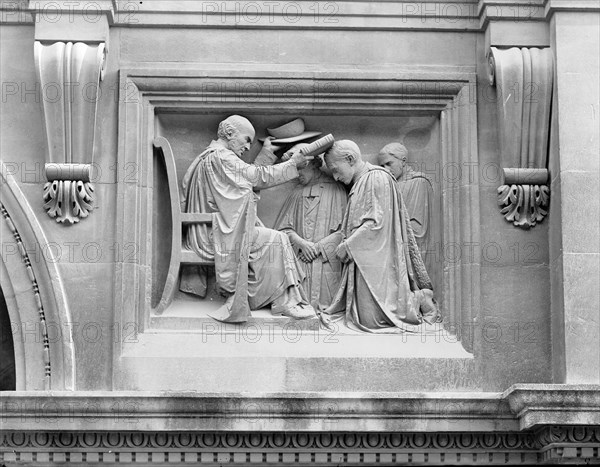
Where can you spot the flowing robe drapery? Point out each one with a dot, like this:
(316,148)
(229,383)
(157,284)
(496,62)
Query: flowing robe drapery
(315,212)
(417,192)
(254,264)
(382,284)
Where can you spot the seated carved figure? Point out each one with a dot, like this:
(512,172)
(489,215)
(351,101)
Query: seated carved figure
(384,283)
(312,217)
(254,266)
(417,192)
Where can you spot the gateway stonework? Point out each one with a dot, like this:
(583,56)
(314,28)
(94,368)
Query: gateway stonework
(110,353)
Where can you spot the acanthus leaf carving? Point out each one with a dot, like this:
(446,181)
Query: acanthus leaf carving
(524,205)
(68,200)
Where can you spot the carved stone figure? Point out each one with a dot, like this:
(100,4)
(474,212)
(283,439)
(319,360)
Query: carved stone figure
(417,192)
(254,266)
(384,281)
(312,217)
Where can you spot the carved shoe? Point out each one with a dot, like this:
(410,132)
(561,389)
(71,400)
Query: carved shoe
(299,311)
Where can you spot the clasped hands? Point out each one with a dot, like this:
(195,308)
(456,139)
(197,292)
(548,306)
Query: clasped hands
(309,251)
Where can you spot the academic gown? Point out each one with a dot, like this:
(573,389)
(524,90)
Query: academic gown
(253,263)
(381,286)
(315,212)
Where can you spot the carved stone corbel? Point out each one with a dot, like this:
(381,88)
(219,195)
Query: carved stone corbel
(69,74)
(524,196)
(523,78)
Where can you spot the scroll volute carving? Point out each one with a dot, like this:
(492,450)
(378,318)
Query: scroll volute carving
(523,78)
(71,73)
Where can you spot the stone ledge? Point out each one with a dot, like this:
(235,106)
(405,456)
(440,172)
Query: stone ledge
(116,428)
(549,404)
(442,15)
(299,411)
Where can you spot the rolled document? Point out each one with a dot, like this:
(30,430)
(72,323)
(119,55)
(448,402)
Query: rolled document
(317,147)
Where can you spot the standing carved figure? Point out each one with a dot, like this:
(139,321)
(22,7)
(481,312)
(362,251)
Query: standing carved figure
(417,192)
(254,266)
(384,281)
(312,217)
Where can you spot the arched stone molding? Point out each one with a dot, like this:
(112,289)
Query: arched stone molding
(35,296)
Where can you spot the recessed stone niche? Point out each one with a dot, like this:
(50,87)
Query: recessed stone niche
(178,346)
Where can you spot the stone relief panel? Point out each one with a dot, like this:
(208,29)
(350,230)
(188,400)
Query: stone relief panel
(307,205)
(171,116)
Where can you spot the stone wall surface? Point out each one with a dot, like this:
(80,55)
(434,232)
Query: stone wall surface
(535,297)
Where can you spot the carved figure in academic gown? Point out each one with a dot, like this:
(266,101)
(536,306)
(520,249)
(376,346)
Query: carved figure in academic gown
(254,266)
(312,217)
(384,282)
(417,191)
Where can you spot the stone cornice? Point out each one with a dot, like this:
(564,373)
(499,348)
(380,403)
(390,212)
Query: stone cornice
(521,407)
(162,428)
(270,411)
(428,15)
(565,404)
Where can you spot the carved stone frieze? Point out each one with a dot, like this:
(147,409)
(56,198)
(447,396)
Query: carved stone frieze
(70,72)
(114,428)
(302,448)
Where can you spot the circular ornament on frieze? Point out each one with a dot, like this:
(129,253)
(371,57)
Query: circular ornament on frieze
(255,440)
(580,434)
(184,440)
(510,441)
(397,440)
(374,440)
(490,440)
(467,441)
(90,440)
(41,440)
(66,440)
(232,440)
(442,441)
(278,440)
(302,440)
(19,439)
(350,440)
(113,440)
(325,440)
(160,440)
(137,440)
(419,440)
(208,440)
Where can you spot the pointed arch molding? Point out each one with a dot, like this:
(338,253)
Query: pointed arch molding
(38,310)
